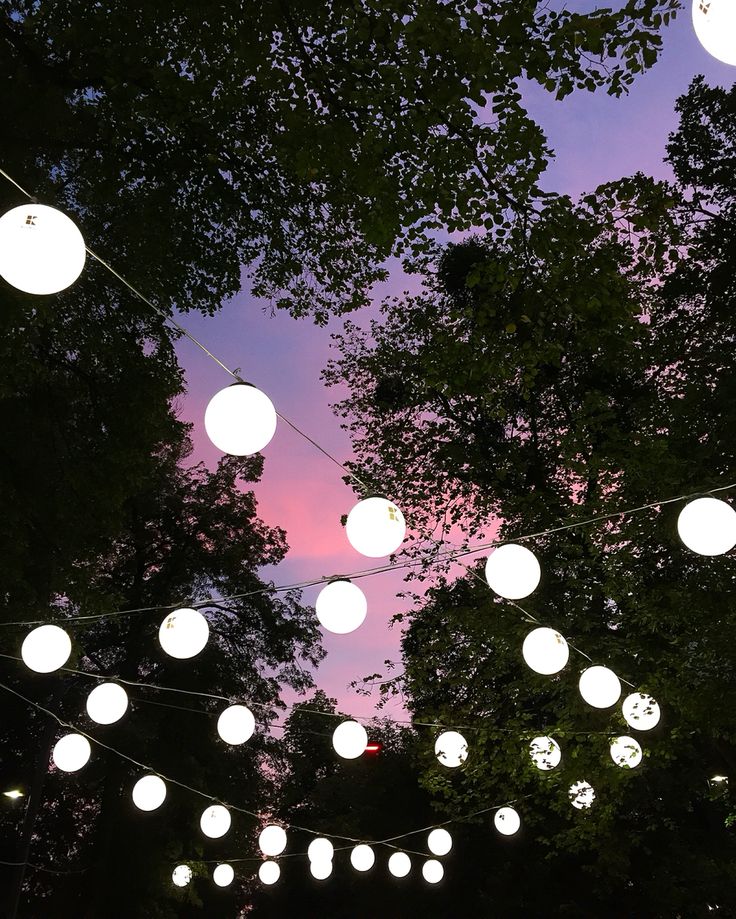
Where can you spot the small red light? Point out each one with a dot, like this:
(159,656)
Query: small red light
(373,748)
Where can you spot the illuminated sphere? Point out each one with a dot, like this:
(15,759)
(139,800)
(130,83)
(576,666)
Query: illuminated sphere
(707,525)
(240,420)
(362,858)
(581,795)
(181,875)
(714,22)
(640,711)
(545,753)
(236,724)
(183,633)
(625,751)
(107,703)
(41,249)
(149,793)
(215,821)
(507,821)
(545,651)
(269,872)
(272,840)
(320,850)
(439,842)
(433,871)
(399,864)
(600,687)
(223,875)
(71,752)
(341,607)
(46,648)
(350,739)
(321,869)
(375,527)
(451,749)
(513,571)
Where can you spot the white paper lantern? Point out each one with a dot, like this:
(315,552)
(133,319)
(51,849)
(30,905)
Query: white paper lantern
(320,850)
(107,703)
(433,871)
(269,872)
(362,858)
(181,875)
(236,724)
(507,821)
(439,842)
(640,711)
(399,864)
(272,840)
(545,651)
(149,793)
(600,687)
(41,249)
(581,795)
(451,749)
(240,420)
(714,22)
(46,648)
(71,752)
(513,571)
(707,525)
(350,739)
(223,875)
(545,753)
(215,821)
(625,751)
(375,527)
(183,633)
(321,870)
(341,607)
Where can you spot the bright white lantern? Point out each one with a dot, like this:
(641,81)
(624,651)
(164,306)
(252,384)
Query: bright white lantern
(714,22)
(107,703)
(269,872)
(240,420)
(600,687)
(71,752)
(507,821)
(545,651)
(433,871)
(439,842)
(181,875)
(513,571)
(183,633)
(272,840)
(451,749)
(46,648)
(362,858)
(545,753)
(399,864)
(321,870)
(341,607)
(350,739)
(41,249)
(320,850)
(223,875)
(625,751)
(215,821)
(640,711)
(236,724)
(581,795)
(707,525)
(375,527)
(149,793)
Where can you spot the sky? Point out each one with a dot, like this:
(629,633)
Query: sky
(596,138)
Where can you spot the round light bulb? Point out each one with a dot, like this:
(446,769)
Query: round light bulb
(513,571)
(399,864)
(439,842)
(714,22)
(581,795)
(626,752)
(71,752)
(149,793)
(432,871)
(46,648)
(240,420)
(375,527)
(451,749)
(181,875)
(272,840)
(236,724)
(600,687)
(545,651)
(641,712)
(350,739)
(321,870)
(545,753)
(507,821)
(341,607)
(269,872)
(708,525)
(223,875)
(320,850)
(183,633)
(107,703)
(215,821)
(362,858)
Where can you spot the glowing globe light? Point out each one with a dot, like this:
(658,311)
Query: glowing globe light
(640,711)
(149,793)
(513,572)
(451,749)
(71,752)
(432,871)
(707,525)
(272,840)
(107,703)
(41,249)
(320,850)
(46,648)
(341,607)
(439,842)
(507,821)
(215,821)
(240,420)
(399,864)
(321,870)
(183,633)
(362,858)
(545,753)
(581,795)
(269,872)
(181,875)
(350,739)
(223,875)
(545,651)
(375,527)
(236,724)
(600,687)
(626,752)
(714,22)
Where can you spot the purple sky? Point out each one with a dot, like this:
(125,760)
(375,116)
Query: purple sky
(596,139)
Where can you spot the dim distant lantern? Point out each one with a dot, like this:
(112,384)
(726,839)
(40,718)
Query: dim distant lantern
(600,687)
(375,527)
(714,22)
(181,875)
(545,753)
(41,249)
(625,751)
(183,633)
(507,821)
(321,870)
(708,525)
(362,858)
(149,793)
(433,871)
(439,842)
(46,648)
(236,724)
(269,872)
(350,739)
(581,795)
(641,712)
(513,572)
(451,749)
(71,752)
(107,703)
(399,864)
(320,850)
(240,420)
(341,607)
(223,875)
(215,821)
(545,651)
(272,840)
